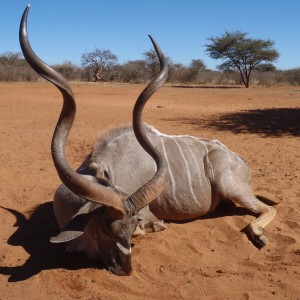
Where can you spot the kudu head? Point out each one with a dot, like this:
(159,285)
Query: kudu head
(109,218)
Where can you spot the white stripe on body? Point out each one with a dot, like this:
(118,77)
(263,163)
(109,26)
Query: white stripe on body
(202,140)
(196,163)
(208,161)
(172,180)
(187,169)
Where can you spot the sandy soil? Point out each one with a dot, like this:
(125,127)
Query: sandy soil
(208,258)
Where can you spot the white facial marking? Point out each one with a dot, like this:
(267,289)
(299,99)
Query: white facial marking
(123,249)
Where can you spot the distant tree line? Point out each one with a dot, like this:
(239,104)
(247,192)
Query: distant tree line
(241,57)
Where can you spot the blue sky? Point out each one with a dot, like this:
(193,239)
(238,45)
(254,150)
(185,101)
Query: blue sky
(61,30)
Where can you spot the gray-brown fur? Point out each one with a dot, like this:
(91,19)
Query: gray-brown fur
(201,173)
(122,190)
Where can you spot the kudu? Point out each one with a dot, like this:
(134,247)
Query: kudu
(121,189)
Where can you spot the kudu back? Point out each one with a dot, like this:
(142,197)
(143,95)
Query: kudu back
(136,176)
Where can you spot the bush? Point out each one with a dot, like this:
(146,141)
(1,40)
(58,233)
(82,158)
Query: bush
(14,68)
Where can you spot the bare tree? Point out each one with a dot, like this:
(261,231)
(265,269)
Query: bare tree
(100,62)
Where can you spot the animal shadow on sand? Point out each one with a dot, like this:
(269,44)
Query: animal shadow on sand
(33,234)
(273,122)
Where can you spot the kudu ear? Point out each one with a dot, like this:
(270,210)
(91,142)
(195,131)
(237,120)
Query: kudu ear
(75,227)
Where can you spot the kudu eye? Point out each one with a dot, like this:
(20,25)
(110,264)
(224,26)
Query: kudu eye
(106,174)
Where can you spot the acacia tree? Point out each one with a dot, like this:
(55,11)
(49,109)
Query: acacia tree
(100,62)
(241,53)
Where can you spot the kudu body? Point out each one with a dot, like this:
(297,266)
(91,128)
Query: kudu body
(121,189)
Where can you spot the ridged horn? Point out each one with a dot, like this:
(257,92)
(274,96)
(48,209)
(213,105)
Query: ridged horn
(74,181)
(147,193)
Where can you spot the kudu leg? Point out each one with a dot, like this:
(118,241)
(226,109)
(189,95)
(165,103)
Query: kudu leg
(148,223)
(231,179)
(241,194)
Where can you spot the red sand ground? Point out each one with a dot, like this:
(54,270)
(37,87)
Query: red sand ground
(209,258)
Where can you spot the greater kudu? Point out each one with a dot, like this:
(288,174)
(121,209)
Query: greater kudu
(121,189)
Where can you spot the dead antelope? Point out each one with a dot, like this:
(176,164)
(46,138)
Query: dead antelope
(121,189)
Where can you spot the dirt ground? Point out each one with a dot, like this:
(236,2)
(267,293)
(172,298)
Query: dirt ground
(208,258)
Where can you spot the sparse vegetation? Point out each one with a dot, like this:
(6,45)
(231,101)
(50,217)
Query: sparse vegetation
(14,68)
(101,65)
(69,71)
